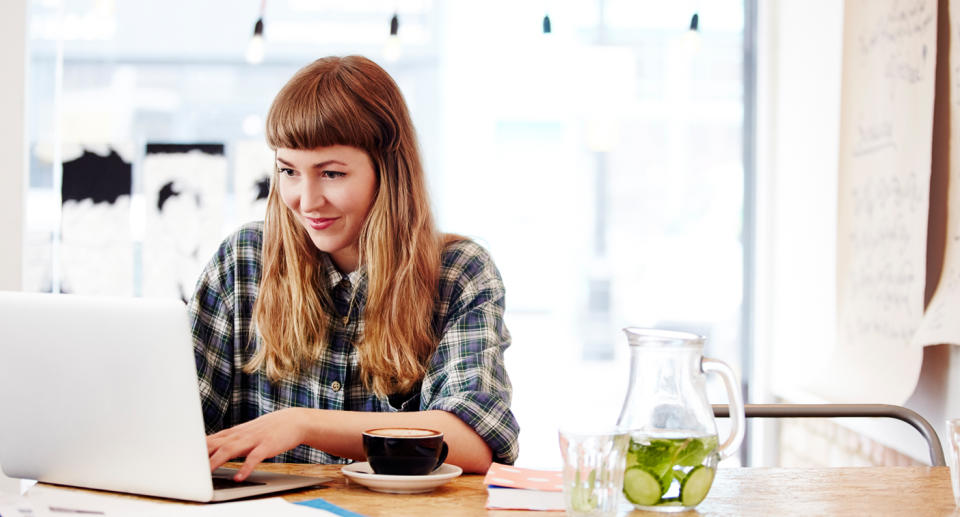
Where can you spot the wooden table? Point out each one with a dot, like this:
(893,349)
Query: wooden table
(913,491)
(866,491)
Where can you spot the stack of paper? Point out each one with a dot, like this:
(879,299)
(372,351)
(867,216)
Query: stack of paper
(51,501)
(514,488)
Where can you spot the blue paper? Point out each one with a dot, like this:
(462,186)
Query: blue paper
(330,507)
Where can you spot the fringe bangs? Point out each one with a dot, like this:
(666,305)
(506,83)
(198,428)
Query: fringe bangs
(329,103)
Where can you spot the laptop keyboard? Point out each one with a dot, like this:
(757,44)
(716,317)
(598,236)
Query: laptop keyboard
(221,483)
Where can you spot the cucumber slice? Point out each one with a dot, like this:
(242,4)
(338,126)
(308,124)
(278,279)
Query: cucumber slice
(670,501)
(591,493)
(641,487)
(696,485)
(582,496)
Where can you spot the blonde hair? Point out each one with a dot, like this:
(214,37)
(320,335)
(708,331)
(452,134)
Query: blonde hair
(351,101)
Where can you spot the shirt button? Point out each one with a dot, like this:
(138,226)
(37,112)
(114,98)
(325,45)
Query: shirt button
(335,385)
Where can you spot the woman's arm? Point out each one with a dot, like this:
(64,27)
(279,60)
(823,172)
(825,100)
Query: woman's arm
(467,376)
(211,311)
(339,433)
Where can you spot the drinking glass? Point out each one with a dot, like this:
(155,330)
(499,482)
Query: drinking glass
(593,465)
(953,459)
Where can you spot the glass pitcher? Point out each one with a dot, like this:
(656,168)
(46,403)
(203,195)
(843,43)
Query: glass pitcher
(674,450)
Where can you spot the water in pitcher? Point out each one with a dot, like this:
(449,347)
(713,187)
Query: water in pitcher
(673,470)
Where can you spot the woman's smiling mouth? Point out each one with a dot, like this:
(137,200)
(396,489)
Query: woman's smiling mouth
(320,223)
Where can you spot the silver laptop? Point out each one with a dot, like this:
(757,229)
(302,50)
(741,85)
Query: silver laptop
(102,393)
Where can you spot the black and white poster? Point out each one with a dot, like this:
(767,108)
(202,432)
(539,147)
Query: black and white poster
(96,246)
(184,192)
(253,168)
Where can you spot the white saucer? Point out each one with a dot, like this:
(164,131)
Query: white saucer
(361,473)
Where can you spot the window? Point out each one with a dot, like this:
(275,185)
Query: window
(601,164)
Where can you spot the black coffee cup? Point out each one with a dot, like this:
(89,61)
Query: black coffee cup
(404,451)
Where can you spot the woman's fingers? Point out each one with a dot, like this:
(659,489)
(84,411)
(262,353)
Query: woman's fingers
(253,459)
(227,449)
(226,437)
(214,441)
(256,440)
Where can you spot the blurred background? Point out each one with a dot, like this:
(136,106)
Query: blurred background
(595,147)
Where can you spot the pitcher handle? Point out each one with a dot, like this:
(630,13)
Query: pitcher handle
(737,417)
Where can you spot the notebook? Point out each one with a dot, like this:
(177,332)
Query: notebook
(102,393)
(515,488)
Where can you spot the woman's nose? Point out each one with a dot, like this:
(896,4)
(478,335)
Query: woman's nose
(312,197)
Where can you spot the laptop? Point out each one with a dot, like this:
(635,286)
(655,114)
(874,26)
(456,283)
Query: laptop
(102,393)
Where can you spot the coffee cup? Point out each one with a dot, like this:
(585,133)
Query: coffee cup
(404,451)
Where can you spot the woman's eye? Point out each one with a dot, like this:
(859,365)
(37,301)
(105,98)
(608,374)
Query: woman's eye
(333,174)
(287,171)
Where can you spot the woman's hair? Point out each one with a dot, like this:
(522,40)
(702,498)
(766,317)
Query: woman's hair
(351,101)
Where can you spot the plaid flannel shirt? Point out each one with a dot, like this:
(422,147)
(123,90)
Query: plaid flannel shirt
(465,376)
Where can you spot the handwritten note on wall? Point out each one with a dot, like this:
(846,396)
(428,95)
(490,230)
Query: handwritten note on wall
(886,131)
(941,323)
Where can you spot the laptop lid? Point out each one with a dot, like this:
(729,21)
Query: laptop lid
(101,392)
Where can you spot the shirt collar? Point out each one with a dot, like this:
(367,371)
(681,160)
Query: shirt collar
(335,277)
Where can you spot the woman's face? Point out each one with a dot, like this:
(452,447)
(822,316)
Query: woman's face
(330,191)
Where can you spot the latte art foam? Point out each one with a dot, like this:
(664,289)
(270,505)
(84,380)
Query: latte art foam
(400,432)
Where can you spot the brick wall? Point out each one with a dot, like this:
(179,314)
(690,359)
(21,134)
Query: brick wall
(814,442)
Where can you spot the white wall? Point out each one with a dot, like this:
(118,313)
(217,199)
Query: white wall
(12,147)
(798,124)
(798,179)
(13,37)
(799,75)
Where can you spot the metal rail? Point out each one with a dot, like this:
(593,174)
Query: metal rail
(845,410)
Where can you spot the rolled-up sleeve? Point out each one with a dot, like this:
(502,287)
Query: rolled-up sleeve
(467,376)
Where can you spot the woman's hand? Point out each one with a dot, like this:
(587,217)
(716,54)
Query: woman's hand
(258,439)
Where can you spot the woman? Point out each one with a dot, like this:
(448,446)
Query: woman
(346,310)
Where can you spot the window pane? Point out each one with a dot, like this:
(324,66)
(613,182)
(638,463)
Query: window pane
(600,164)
